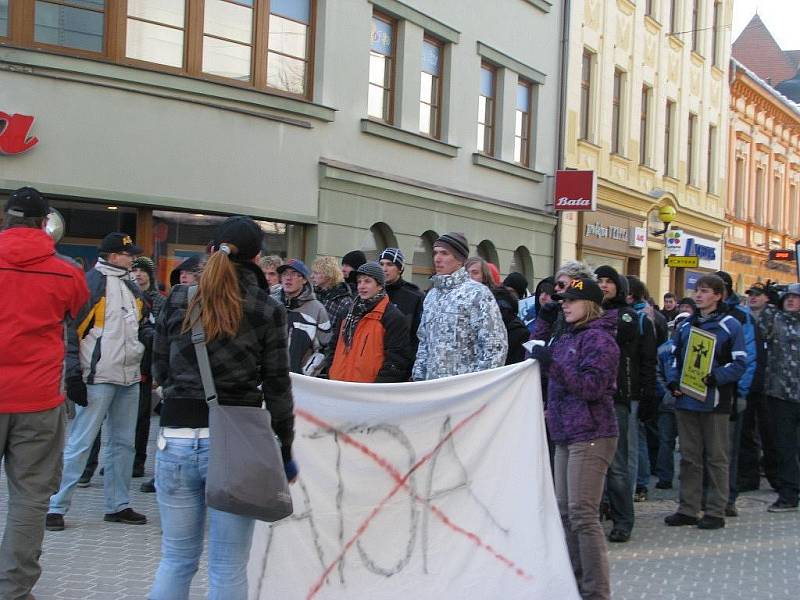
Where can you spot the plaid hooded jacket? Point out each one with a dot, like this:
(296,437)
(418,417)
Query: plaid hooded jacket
(257,355)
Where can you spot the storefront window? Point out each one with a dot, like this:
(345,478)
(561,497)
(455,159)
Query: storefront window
(3,18)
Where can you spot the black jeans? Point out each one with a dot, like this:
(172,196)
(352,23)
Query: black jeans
(143,423)
(787,426)
(757,446)
(618,481)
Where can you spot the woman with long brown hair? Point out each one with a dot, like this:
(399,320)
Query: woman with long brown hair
(246,339)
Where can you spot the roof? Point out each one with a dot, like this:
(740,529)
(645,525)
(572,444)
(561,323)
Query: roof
(792,106)
(756,48)
(794,57)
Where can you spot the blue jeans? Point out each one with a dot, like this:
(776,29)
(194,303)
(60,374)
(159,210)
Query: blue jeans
(119,404)
(181,470)
(667,434)
(618,482)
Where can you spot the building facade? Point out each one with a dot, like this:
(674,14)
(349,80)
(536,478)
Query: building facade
(763,206)
(338,124)
(647,104)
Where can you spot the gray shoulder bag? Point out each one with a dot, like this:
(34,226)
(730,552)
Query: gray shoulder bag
(245,468)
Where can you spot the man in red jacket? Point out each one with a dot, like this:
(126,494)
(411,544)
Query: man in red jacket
(42,290)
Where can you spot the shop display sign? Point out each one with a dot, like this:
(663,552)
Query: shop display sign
(15,137)
(576,190)
(674,241)
(638,237)
(683,262)
(781,254)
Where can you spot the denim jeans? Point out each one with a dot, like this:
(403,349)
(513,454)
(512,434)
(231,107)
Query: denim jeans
(580,469)
(181,470)
(667,434)
(643,468)
(620,491)
(119,403)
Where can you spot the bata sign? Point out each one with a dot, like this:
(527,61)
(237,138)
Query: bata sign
(15,137)
(576,190)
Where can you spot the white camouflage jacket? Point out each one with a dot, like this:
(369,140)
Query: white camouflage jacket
(461,330)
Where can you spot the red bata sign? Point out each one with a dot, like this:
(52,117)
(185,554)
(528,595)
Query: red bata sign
(15,132)
(576,190)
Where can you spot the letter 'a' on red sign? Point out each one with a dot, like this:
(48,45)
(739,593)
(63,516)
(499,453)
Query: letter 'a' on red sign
(15,132)
(576,190)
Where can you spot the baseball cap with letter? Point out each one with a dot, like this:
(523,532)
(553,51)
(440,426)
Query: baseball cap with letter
(582,289)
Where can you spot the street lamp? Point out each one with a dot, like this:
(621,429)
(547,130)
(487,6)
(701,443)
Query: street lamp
(666,215)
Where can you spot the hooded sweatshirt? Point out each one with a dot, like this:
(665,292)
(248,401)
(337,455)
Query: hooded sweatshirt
(32,340)
(582,383)
(309,328)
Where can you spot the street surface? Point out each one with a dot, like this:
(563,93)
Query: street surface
(756,556)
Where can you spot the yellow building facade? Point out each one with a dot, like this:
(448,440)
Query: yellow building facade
(763,206)
(647,109)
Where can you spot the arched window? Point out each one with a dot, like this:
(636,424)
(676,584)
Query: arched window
(422,260)
(522,263)
(380,236)
(488,252)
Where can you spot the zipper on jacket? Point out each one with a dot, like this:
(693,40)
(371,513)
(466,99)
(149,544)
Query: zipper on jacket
(364,347)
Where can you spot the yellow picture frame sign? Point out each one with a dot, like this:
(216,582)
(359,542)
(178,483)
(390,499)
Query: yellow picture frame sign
(697,362)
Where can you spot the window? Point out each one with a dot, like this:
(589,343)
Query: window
(486,101)
(648,7)
(264,44)
(669,118)
(616,113)
(777,202)
(644,127)
(695,27)
(711,159)
(740,191)
(674,21)
(794,207)
(760,199)
(522,123)
(381,69)
(716,38)
(586,94)
(430,96)
(691,179)
(3,18)
(71,24)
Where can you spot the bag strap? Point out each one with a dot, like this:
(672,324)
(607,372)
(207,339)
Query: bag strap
(199,342)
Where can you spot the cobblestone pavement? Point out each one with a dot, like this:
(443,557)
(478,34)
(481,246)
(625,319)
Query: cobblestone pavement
(755,557)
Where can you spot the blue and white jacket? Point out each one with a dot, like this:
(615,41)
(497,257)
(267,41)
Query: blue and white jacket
(728,367)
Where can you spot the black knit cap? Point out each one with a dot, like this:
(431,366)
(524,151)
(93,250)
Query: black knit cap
(354,258)
(456,243)
(243,233)
(518,283)
(612,274)
(726,278)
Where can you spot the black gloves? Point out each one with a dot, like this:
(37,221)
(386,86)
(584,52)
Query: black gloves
(549,312)
(710,380)
(543,355)
(76,391)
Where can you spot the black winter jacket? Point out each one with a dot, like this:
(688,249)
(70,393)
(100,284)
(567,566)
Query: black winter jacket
(407,297)
(256,356)
(516,331)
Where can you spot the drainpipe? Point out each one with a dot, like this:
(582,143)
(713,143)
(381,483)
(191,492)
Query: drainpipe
(562,115)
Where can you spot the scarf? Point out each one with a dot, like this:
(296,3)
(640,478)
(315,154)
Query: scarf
(360,308)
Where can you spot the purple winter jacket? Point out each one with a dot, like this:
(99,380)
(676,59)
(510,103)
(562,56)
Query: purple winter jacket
(583,380)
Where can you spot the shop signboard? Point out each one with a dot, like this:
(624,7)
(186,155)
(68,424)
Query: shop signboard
(638,237)
(674,241)
(15,133)
(576,190)
(683,262)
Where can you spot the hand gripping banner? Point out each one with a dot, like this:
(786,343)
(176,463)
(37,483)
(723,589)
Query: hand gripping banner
(426,490)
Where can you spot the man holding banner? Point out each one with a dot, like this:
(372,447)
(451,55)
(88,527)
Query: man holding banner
(709,359)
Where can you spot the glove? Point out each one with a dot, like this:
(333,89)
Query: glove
(291,470)
(76,391)
(543,355)
(549,312)
(710,380)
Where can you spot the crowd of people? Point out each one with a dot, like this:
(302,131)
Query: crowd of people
(614,367)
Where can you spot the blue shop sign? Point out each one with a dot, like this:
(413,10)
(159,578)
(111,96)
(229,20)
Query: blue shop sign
(691,279)
(699,250)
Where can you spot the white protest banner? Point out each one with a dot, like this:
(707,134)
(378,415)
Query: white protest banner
(427,490)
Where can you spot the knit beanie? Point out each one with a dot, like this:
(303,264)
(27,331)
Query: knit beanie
(518,283)
(726,278)
(374,270)
(611,273)
(354,258)
(456,243)
(243,233)
(395,255)
(146,264)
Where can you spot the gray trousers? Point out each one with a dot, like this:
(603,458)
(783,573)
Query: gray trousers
(701,433)
(580,474)
(32,448)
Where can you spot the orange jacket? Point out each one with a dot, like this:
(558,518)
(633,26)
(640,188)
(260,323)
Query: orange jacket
(379,352)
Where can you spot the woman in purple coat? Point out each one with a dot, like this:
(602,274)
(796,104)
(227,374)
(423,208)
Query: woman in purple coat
(582,369)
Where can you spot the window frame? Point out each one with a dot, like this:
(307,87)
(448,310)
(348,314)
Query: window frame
(759,196)
(585,118)
(644,126)
(777,202)
(390,118)
(696,41)
(715,33)
(669,126)
(22,23)
(617,123)
(711,158)
(674,17)
(492,123)
(740,185)
(439,88)
(691,146)
(527,127)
